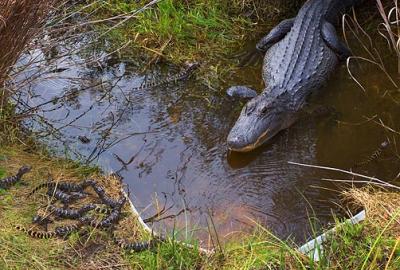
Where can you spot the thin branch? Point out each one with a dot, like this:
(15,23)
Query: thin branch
(373,179)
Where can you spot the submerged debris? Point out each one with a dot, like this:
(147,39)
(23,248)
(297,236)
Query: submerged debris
(84,139)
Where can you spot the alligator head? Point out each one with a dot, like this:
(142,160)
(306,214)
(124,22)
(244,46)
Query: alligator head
(260,120)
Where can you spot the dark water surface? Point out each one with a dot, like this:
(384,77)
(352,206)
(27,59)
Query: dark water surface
(173,141)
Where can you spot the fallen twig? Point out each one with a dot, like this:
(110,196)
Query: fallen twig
(373,179)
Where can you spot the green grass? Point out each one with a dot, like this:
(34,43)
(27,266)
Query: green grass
(175,31)
(356,247)
(181,31)
(169,255)
(203,21)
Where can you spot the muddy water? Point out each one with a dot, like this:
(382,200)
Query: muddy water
(169,142)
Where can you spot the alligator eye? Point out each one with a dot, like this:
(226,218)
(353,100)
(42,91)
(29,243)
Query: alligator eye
(264,110)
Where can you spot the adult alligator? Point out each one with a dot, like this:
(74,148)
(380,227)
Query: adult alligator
(300,55)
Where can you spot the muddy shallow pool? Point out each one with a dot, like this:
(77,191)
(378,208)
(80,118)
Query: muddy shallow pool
(169,142)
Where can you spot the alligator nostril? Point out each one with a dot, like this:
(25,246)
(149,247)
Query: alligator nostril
(234,141)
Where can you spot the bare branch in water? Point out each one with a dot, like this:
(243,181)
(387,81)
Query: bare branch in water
(373,180)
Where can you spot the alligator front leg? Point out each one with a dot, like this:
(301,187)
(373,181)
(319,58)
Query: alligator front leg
(241,92)
(275,35)
(334,43)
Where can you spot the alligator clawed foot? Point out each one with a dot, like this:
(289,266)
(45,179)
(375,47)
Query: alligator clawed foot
(242,92)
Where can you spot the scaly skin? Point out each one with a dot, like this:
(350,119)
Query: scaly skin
(136,246)
(182,75)
(36,233)
(301,55)
(60,231)
(12,180)
(110,220)
(71,213)
(374,156)
(107,200)
(62,196)
(65,186)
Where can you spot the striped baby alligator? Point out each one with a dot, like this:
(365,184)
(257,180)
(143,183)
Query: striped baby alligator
(43,216)
(61,231)
(64,186)
(64,197)
(182,75)
(374,156)
(71,213)
(136,246)
(12,180)
(110,220)
(53,188)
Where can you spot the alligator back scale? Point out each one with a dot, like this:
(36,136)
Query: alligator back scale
(184,74)
(12,180)
(375,155)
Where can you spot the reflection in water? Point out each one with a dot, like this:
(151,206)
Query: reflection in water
(171,140)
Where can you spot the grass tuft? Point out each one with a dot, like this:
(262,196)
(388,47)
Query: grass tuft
(188,30)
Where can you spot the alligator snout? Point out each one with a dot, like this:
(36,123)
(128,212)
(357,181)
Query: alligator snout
(237,142)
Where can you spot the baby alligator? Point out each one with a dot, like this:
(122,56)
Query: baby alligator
(12,180)
(77,213)
(41,220)
(184,74)
(71,213)
(61,231)
(36,233)
(64,186)
(374,156)
(108,221)
(104,197)
(135,246)
(62,196)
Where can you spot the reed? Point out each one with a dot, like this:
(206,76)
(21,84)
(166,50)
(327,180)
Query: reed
(20,20)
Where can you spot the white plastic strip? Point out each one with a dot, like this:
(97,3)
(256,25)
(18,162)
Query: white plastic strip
(207,252)
(315,248)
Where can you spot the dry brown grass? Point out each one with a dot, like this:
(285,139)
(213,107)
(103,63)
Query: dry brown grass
(382,207)
(20,20)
